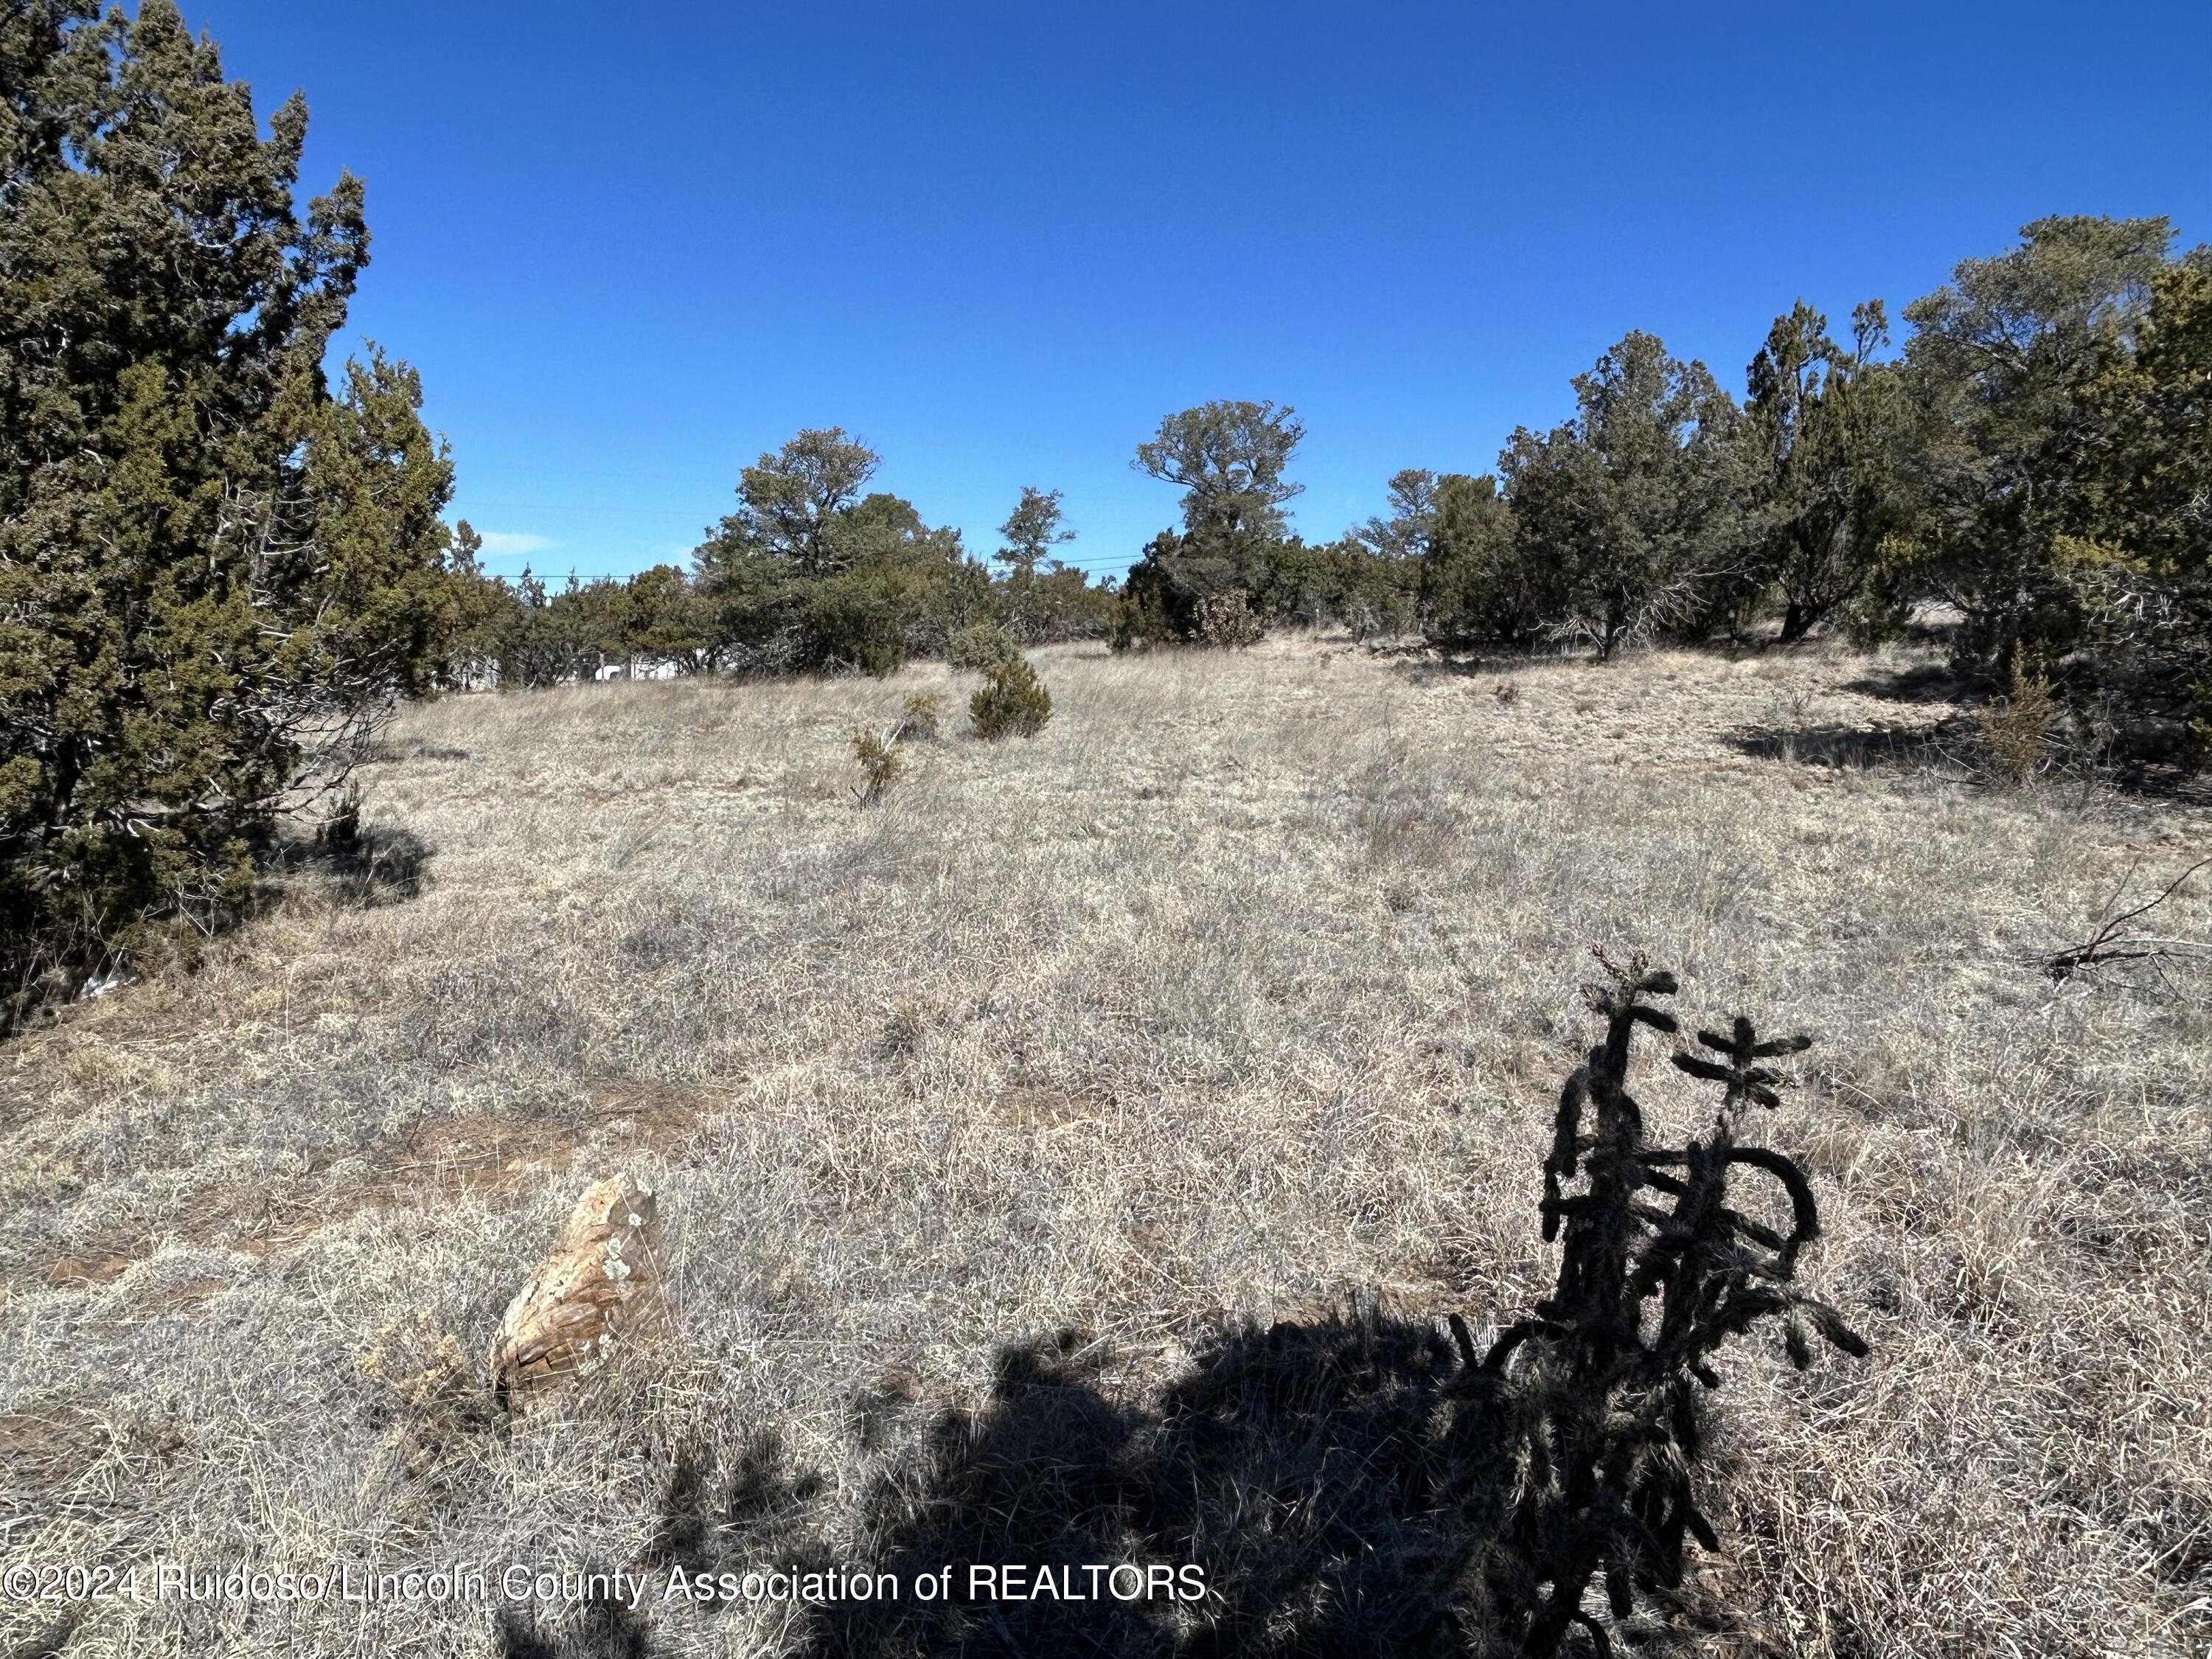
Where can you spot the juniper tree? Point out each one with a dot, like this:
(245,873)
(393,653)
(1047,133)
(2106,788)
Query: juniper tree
(1824,426)
(1998,365)
(791,501)
(1628,512)
(2138,554)
(1012,704)
(659,618)
(214,566)
(1474,587)
(809,574)
(1229,458)
(554,635)
(1405,533)
(483,610)
(1032,530)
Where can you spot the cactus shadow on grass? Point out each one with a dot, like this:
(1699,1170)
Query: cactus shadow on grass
(1367,1484)
(1307,1469)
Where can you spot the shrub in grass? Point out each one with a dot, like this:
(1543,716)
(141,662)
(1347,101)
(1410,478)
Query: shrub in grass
(983,646)
(1227,618)
(1012,702)
(2016,732)
(880,766)
(919,722)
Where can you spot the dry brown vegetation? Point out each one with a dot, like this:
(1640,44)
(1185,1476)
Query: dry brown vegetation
(1244,988)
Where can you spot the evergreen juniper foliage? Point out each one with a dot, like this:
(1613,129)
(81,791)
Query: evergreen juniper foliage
(1626,515)
(809,574)
(214,567)
(1825,427)
(1229,458)
(1040,597)
(1032,530)
(1474,585)
(1998,366)
(1012,702)
(2138,553)
(982,646)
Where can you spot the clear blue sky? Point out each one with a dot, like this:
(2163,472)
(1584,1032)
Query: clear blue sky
(631,247)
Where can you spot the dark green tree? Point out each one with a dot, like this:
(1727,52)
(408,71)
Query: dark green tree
(810,575)
(748,599)
(1474,587)
(1032,530)
(215,569)
(2138,557)
(793,503)
(556,636)
(660,619)
(1997,366)
(1631,511)
(1063,604)
(484,610)
(918,580)
(1824,427)
(1405,533)
(1229,459)
(1179,571)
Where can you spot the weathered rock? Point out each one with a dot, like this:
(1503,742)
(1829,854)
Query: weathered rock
(598,1288)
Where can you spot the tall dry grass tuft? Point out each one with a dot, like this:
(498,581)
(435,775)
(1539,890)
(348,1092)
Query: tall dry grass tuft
(2017,731)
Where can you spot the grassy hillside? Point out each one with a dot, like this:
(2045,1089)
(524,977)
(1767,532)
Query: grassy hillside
(1243,990)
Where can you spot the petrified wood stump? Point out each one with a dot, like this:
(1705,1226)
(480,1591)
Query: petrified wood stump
(598,1286)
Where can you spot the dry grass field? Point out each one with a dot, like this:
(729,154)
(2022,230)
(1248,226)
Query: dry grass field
(1242,991)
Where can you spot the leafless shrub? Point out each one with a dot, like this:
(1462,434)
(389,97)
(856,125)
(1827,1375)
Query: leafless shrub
(434,1397)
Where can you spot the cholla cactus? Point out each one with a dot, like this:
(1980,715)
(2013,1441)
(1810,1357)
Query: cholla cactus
(1597,1395)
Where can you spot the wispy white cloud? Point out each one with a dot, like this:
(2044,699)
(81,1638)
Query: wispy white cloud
(502,543)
